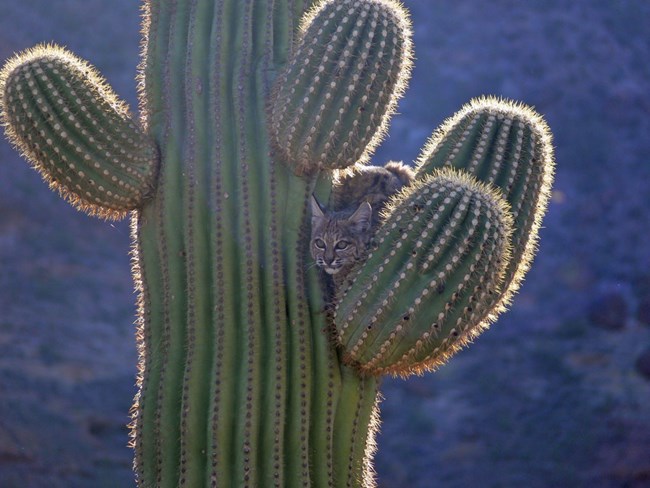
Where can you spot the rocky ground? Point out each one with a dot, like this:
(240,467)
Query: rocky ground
(556,394)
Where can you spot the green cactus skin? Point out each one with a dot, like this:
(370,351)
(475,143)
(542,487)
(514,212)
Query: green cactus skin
(241,382)
(333,101)
(440,256)
(70,125)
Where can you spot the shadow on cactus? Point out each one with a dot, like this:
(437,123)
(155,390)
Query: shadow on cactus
(244,379)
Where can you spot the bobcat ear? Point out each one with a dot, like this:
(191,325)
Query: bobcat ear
(361,217)
(316,212)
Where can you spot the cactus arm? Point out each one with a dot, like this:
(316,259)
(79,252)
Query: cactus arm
(440,256)
(506,149)
(333,100)
(70,125)
(508,145)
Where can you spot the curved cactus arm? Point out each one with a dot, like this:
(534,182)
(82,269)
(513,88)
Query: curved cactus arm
(430,286)
(70,125)
(508,145)
(332,102)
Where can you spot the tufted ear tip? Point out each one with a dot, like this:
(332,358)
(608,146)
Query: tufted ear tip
(362,216)
(316,210)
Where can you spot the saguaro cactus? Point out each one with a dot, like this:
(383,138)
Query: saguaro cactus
(248,376)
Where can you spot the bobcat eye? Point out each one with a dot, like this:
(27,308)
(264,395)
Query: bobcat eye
(342,245)
(319,243)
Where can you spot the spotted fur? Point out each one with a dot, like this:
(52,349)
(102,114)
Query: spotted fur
(373,184)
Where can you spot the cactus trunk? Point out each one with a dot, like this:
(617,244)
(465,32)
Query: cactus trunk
(239,385)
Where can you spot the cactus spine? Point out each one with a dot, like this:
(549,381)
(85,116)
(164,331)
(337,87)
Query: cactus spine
(245,379)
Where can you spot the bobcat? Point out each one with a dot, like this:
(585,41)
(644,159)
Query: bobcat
(340,237)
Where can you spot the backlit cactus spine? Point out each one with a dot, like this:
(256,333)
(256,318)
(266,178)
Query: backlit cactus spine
(244,379)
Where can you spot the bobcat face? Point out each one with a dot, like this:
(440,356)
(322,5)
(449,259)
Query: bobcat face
(338,241)
(333,254)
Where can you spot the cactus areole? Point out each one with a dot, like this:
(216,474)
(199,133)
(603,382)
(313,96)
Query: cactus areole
(250,374)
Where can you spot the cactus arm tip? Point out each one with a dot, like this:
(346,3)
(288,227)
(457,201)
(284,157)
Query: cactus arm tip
(332,103)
